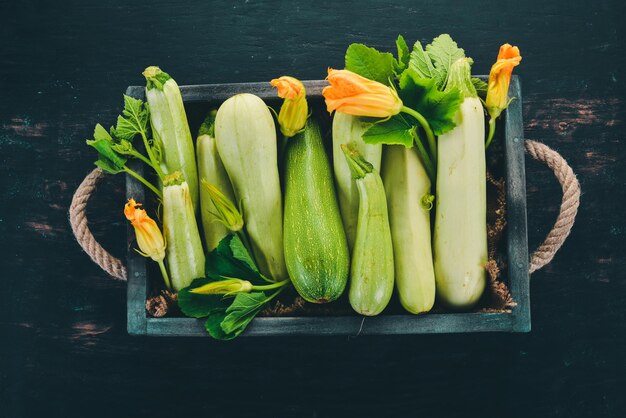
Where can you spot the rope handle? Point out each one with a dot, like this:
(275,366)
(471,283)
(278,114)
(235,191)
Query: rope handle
(569,203)
(542,255)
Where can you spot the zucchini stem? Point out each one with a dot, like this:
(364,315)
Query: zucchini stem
(492,131)
(144,181)
(271,286)
(428,163)
(429,133)
(155,163)
(166,277)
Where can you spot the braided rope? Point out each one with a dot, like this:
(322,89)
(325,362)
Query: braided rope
(78,220)
(542,255)
(569,204)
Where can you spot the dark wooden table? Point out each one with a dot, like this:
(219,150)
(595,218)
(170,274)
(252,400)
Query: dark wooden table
(64,350)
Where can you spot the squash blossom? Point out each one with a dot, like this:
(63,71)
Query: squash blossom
(149,237)
(224,287)
(358,96)
(295,109)
(500,78)
(227,212)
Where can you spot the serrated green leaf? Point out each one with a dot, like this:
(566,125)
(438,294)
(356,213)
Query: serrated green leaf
(422,95)
(231,259)
(421,63)
(133,120)
(242,311)
(443,51)
(480,86)
(395,130)
(370,63)
(403,54)
(108,159)
(197,305)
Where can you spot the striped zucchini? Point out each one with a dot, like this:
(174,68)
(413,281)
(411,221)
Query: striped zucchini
(372,270)
(316,250)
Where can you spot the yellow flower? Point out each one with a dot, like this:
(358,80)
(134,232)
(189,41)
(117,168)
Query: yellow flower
(500,78)
(149,236)
(358,96)
(227,212)
(224,287)
(295,109)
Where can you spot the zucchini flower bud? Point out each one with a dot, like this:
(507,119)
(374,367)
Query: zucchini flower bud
(149,236)
(500,78)
(224,287)
(227,212)
(358,96)
(295,109)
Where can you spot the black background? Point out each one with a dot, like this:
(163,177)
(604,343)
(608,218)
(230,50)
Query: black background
(64,350)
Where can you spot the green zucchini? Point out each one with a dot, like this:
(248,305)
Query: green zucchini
(246,142)
(185,257)
(408,190)
(170,128)
(211,169)
(372,270)
(349,129)
(461,218)
(316,251)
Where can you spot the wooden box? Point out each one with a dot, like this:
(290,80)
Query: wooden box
(518,320)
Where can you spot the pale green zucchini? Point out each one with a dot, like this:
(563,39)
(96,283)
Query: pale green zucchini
(460,237)
(316,250)
(185,257)
(246,142)
(406,184)
(372,269)
(170,128)
(349,129)
(210,168)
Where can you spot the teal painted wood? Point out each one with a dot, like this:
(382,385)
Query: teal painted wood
(517,250)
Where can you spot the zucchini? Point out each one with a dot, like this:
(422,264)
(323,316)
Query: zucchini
(316,251)
(185,258)
(349,129)
(246,141)
(372,269)
(211,169)
(461,217)
(407,187)
(170,128)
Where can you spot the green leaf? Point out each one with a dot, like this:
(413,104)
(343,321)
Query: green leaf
(108,159)
(370,63)
(395,130)
(133,120)
(403,54)
(231,259)
(480,86)
(100,133)
(422,95)
(213,325)
(421,63)
(443,51)
(198,305)
(242,311)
